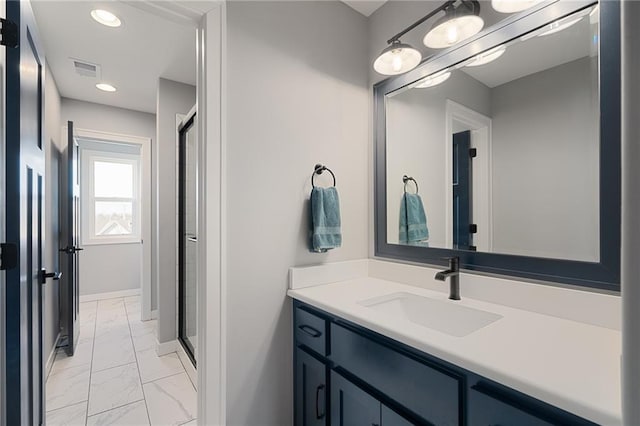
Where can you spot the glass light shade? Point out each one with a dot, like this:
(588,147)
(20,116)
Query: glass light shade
(434,80)
(105,87)
(512,6)
(396,59)
(106,18)
(452,30)
(486,57)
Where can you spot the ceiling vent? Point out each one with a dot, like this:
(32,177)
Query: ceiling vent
(86,69)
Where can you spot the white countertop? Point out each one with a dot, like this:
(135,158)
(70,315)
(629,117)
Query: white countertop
(568,364)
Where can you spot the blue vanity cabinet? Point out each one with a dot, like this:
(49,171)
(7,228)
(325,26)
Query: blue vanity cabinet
(361,378)
(311,390)
(350,405)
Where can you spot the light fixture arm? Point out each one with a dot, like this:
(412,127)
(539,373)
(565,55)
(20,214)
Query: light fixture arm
(444,6)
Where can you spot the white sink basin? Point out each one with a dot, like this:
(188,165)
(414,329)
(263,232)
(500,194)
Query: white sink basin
(444,316)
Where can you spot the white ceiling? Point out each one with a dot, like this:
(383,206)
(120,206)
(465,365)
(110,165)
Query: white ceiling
(366,7)
(132,57)
(538,54)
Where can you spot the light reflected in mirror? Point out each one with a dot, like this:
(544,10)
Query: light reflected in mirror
(504,148)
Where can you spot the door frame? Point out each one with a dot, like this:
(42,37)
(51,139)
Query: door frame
(481,190)
(145,197)
(212,271)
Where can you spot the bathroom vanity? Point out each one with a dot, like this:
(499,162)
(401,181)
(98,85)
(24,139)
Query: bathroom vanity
(367,352)
(511,140)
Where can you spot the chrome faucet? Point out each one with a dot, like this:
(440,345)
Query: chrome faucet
(454,274)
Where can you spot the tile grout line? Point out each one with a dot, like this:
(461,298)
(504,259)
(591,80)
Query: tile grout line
(185,370)
(135,354)
(166,377)
(119,406)
(93,349)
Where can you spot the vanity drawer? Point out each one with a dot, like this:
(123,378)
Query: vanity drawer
(311,330)
(431,392)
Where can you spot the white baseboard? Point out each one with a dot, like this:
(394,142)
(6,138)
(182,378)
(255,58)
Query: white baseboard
(188,365)
(154,314)
(109,295)
(52,355)
(166,347)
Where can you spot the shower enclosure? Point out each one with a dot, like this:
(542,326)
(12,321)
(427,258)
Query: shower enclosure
(187,236)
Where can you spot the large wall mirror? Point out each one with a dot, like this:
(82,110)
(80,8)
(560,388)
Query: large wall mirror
(506,151)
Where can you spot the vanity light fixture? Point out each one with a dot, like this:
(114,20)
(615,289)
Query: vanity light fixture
(513,6)
(486,57)
(397,58)
(461,21)
(106,18)
(106,87)
(434,79)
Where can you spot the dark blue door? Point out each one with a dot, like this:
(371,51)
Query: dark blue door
(24,399)
(70,286)
(462,191)
(351,406)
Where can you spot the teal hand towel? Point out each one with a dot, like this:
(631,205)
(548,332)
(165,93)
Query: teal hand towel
(413,220)
(325,219)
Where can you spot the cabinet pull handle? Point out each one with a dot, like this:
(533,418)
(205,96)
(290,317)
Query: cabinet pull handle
(310,330)
(318,414)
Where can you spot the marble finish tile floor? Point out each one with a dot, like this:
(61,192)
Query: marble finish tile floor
(115,377)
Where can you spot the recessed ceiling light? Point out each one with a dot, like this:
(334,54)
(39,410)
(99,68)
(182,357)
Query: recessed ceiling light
(486,57)
(513,6)
(105,87)
(434,80)
(106,18)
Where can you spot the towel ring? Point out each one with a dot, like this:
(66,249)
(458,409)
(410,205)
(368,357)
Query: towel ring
(406,179)
(318,169)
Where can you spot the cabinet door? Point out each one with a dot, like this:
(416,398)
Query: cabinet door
(350,405)
(311,390)
(485,410)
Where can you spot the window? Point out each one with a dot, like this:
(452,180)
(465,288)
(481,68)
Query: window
(110,198)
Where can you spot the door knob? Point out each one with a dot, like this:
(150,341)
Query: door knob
(44,275)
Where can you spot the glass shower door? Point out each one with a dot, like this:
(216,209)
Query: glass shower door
(188,238)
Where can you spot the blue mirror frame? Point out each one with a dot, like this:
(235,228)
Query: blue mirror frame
(598,275)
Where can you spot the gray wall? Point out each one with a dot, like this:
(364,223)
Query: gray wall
(54,146)
(173,98)
(416,143)
(546,163)
(123,271)
(297,95)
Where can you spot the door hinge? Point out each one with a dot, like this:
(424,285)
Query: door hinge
(8,256)
(473,152)
(473,228)
(473,248)
(8,33)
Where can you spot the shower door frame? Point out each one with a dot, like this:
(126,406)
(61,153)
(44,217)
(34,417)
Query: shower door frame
(187,124)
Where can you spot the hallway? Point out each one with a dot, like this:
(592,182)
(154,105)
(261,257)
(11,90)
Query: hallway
(116,377)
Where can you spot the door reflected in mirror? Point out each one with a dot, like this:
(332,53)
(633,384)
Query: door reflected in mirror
(504,148)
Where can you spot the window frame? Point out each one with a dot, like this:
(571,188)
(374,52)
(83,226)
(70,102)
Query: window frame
(88,158)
